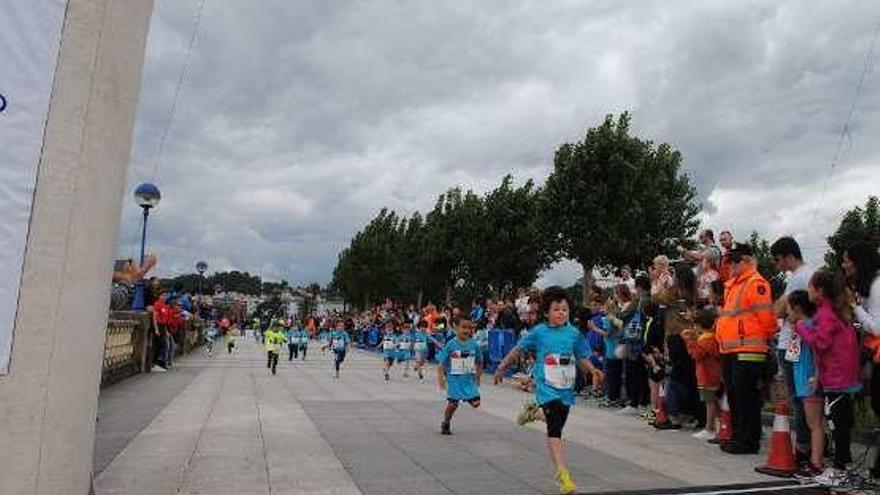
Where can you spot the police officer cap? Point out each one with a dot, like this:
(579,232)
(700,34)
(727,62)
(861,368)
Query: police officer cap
(740,249)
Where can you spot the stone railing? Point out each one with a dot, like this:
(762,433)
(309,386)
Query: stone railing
(128,347)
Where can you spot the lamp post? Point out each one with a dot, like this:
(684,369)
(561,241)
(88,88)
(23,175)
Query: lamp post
(201,267)
(146,196)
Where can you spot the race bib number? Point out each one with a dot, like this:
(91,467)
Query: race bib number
(559,370)
(338,344)
(462,365)
(404,345)
(793,353)
(388,345)
(420,346)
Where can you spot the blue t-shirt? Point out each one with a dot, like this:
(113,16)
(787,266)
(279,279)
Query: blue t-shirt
(339,340)
(420,343)
(460,361)
(389,345)
(804,369)
(404,346)
(304,337)
(557,351)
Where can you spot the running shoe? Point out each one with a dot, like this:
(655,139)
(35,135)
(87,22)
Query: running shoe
(703,435)
(565,483)
(668,425)
(832,478)
(444,428)
(807,472)
(387,377)
(527,415)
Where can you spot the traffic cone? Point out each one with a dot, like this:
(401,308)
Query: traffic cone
(661,412)
(780,460)
(724,432)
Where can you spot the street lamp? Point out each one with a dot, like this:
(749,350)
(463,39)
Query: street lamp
(146,196)
(201,267)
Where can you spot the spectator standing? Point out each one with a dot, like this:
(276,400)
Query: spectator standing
(833,341)
(703,349)
(744,327)
(861,266)
(788,259)
(726,240)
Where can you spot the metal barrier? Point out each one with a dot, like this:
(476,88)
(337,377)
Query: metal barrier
(128,345)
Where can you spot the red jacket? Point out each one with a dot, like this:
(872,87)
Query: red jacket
(704,351)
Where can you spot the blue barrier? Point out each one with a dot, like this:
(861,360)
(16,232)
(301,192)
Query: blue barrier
(501,341)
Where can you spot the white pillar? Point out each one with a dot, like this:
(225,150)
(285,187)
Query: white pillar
(49,398)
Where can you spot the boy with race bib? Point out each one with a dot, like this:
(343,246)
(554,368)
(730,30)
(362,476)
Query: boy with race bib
(404,347)
(420,349)
(558,347)
(339,342)
(389,349)
(459,370)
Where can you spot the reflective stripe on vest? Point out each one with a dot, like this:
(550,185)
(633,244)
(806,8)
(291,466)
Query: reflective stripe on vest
(738,311)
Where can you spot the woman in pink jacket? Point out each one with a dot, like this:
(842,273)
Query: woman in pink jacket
(833,342)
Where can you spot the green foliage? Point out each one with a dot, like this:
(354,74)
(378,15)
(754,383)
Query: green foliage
(613,199)
(858,224)
(761,250)
(235,281)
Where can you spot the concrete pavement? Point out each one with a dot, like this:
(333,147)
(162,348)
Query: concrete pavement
(233,428)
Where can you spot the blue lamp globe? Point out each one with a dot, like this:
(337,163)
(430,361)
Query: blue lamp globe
(147,195)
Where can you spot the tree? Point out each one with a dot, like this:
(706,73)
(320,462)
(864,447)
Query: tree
(761,251)
(614,198)
(857,225)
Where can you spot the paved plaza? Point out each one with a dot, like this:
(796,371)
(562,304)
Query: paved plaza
(227,426)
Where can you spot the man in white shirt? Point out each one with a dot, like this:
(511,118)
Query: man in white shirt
(788,258)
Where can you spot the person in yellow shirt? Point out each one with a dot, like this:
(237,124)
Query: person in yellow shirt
(274,340)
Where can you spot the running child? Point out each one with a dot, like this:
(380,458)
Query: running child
(404,347)
(292,337)
(324,339)
(339,342)
(274,339)
(211,339)
(230,342)
(389,349)
(558,347)
(420,349)
(303,339)
(460,361)
(481,336)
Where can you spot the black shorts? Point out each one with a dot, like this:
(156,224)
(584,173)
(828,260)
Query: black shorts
(556,414)
(473,401)
(340,355)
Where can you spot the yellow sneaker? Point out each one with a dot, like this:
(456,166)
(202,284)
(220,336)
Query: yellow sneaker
(566,484)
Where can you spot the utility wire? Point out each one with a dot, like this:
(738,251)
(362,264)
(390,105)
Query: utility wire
(181,77)
(845,130)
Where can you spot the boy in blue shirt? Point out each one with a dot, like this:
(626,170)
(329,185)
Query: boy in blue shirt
(339,342)
(558,347)
(404,347)
(389,349)
(460,361)
(303,336)
(292,336)
(420,349)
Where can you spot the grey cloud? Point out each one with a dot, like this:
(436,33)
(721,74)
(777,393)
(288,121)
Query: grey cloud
(299,120)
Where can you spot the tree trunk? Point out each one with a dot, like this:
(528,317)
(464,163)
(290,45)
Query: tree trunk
(587,283)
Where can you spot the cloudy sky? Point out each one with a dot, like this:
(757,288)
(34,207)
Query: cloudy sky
(299,120)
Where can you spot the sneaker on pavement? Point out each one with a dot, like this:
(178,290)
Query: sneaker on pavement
(831,478)
(565,483)
(668,425)
(444,429)
(527,415)
(157,369)
(703,435)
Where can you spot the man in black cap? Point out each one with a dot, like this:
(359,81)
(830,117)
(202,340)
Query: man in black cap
(744,328)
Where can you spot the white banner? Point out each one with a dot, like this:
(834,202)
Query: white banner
(30,35)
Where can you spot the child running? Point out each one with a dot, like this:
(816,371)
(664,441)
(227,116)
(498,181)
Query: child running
(303,339)
(292,337)
(404,347)
(389,349)
(339,342)
(211,339)
(420,349)
(558,347)
(230,342)
(460,361)
(274,338)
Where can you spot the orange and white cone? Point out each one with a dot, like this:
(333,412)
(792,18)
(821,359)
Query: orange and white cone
(662,417)
(724,432)
(780,460)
